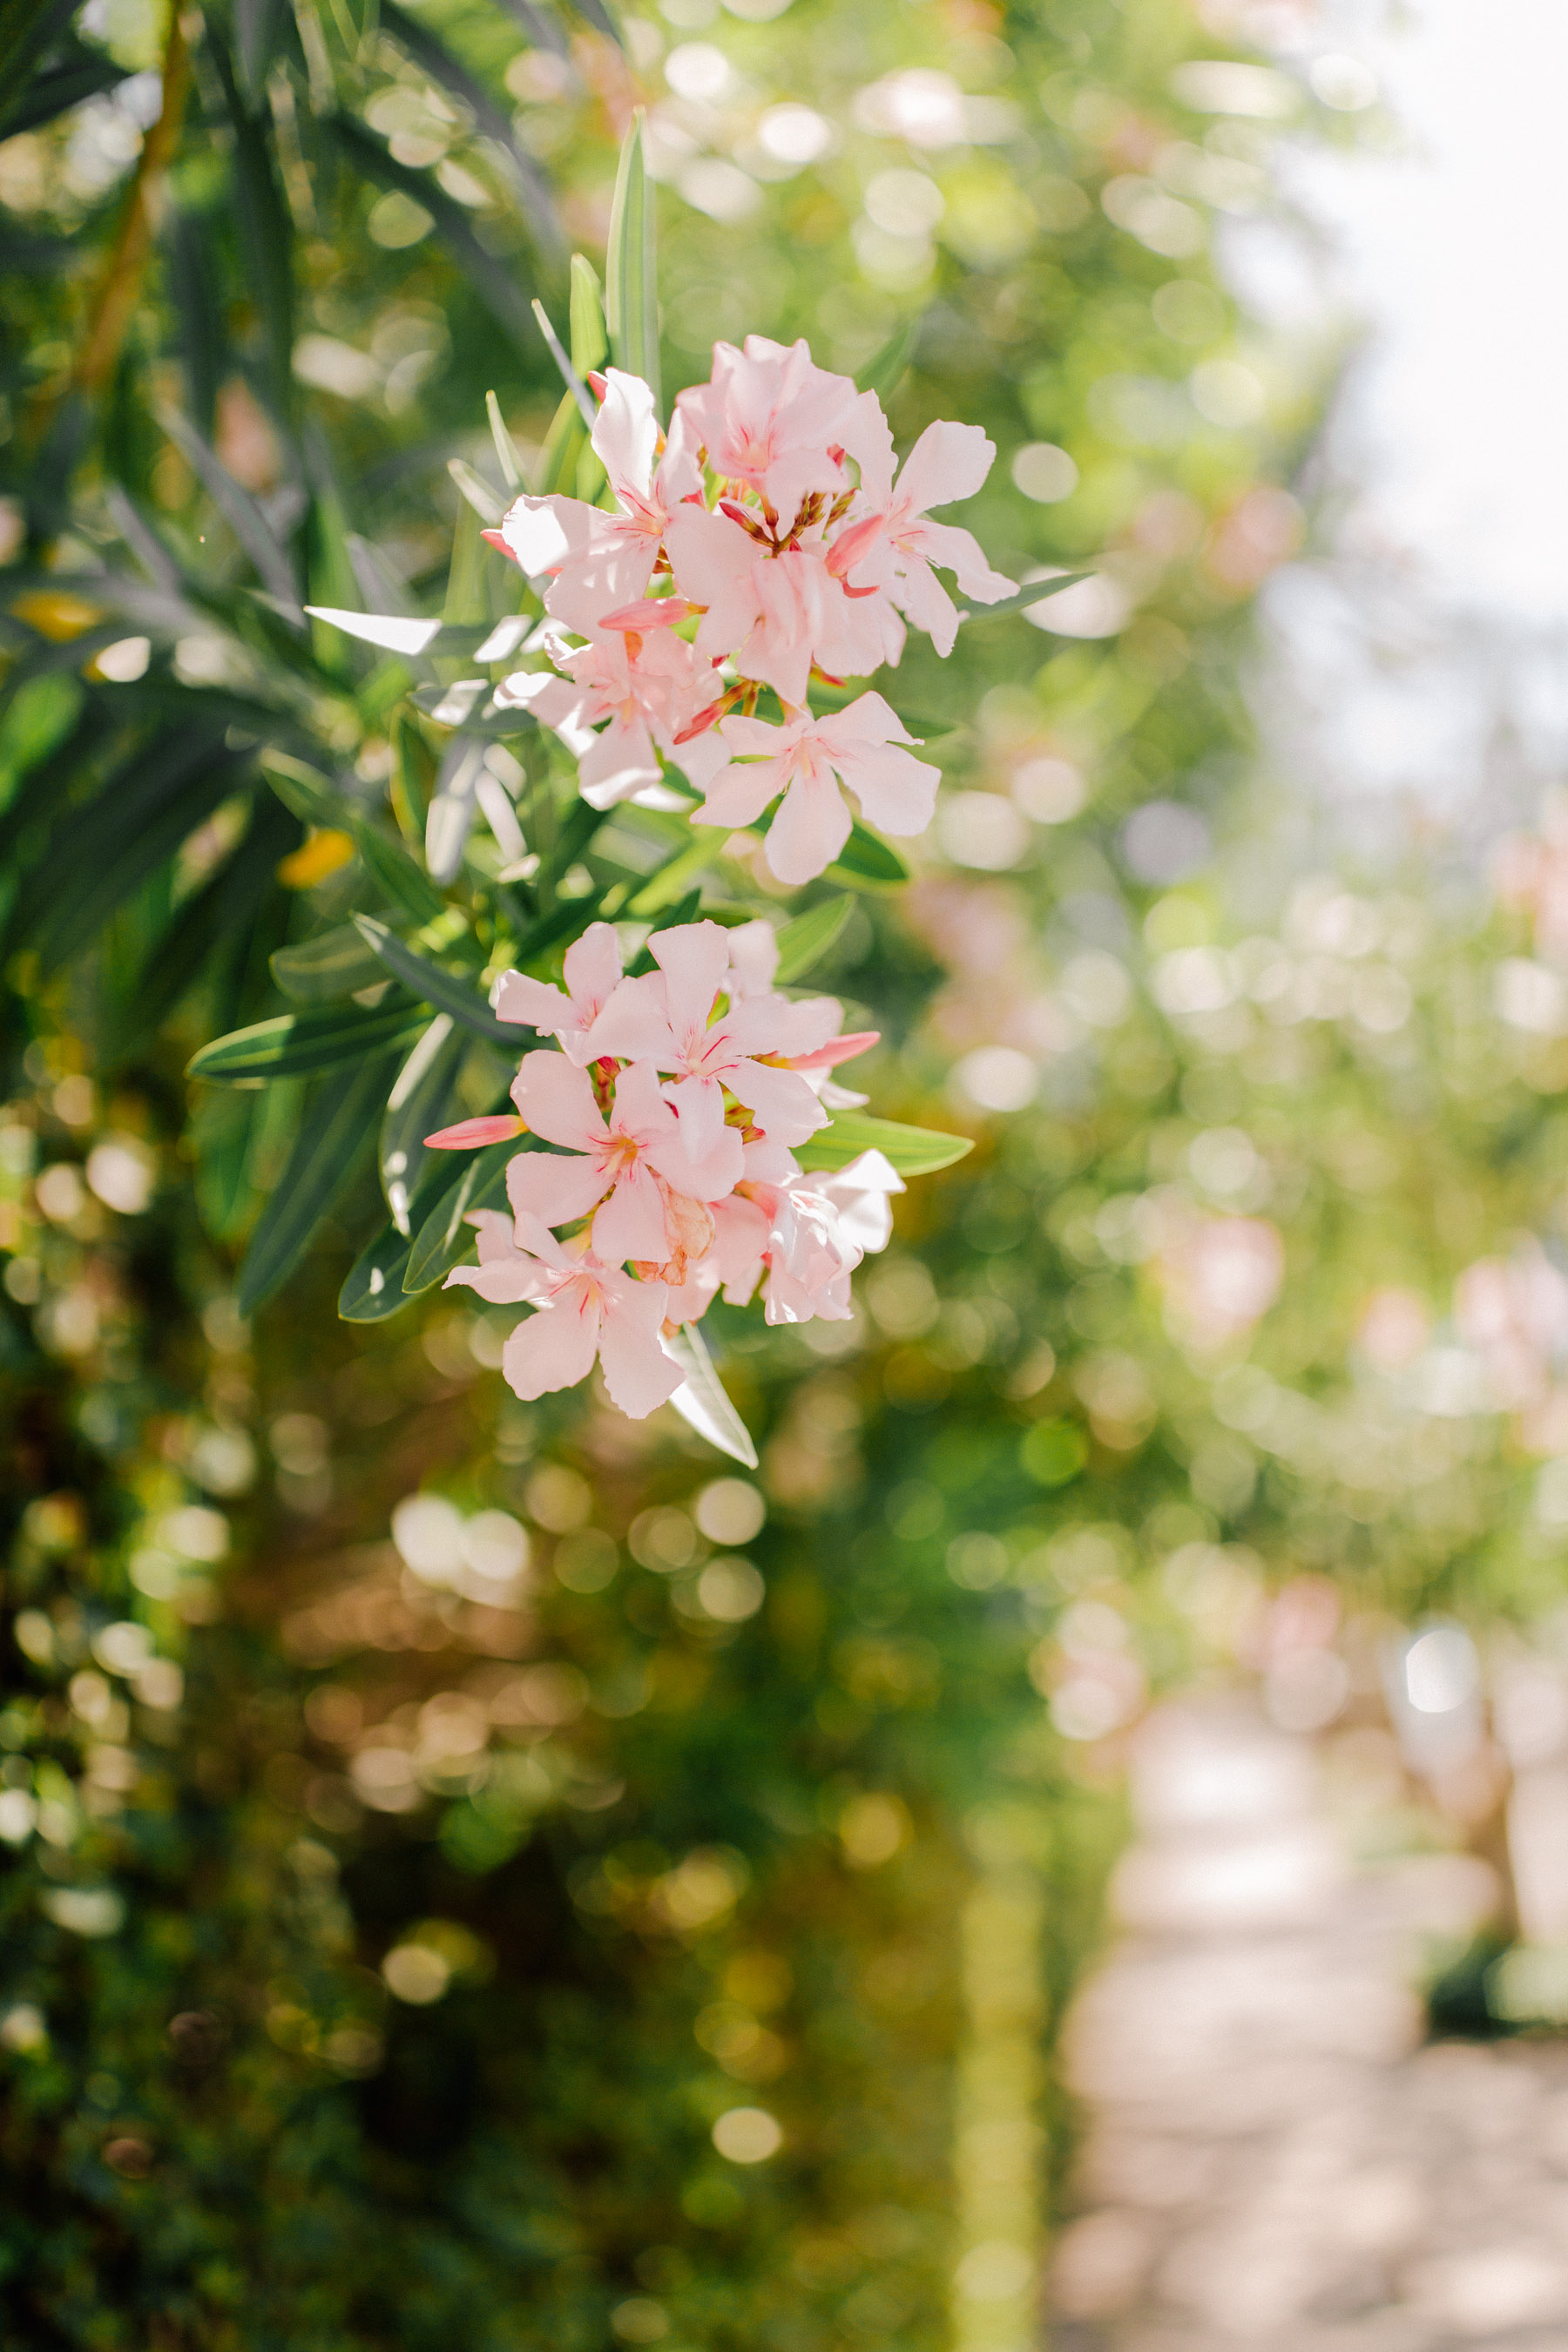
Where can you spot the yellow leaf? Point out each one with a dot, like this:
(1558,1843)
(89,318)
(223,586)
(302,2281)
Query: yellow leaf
(314,859)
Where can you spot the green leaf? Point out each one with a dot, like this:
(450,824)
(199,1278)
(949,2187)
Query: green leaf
(394,872)
(590,336)
(806,940)
(223,911)
(564,924)
(259,24)
(1034,593)
(418,1103)
(336,1131)
(505,447)
(443,1238)
(564,446)
(446,992)
(241,513)
(334,963)
(631,278)
(372,1288)
(490,116)
(477,492)
(267,238)
(574,385)
(702,1400)
(99,852)
(867,857)
(885,371)
(77,75)
(296,1042)
(913,1150)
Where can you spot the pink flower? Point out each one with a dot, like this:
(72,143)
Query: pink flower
(890,543)
(599,561)
(648,688)
(622,1167)
(770,418)
(807,759)
(777,612)
(584,1310)
(667,1019)
(592,973)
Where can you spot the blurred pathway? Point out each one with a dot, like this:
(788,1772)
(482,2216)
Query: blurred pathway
(1273,2160)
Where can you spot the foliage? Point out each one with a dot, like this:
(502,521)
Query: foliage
(659,1849)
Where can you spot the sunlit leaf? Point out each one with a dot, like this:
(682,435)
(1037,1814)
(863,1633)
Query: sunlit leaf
(913,1150)
(298,1042)
(333,1136)
(702,1400)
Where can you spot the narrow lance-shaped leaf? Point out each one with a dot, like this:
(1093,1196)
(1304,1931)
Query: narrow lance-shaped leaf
(336,1133)
(913,1150)
(492,118)
(631,285)
(806,940)
(505,447)
(417,1104)
(443,990)
(240,511)
(445,1236)
(702,1400)
(295,1044)
(334,963)
(1034,593)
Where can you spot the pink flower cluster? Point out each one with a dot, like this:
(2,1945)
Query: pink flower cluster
(774,517)
(671,1105)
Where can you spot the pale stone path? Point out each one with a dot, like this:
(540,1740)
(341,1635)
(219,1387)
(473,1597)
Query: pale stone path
(1274,2161)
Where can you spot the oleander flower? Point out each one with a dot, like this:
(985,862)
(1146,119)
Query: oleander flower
(807,759)
(586,1311)
(619,1165)
(890,543)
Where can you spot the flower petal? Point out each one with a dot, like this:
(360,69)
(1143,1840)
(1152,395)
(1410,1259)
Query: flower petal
(639,1374)
(557,1100)
(556,1187)
(810,829)
(555,1347)
(631,1223)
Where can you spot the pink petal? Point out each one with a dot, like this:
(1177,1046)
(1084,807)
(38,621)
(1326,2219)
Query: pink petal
(949,461)
(621,761)
(810,829)
(625,430)
(960,552)
(557,1102)
(639,1374)
(896,790)
(631,1223)
(783,1104)
(533,1002)
(469,1133)
(926,602)
(504,1282)
(699,1108)
(633,1025)
(868,720)
(555,1187)
(868,438)
(555,1347)
(593,968)
(640,1110)
(694,959)
(837,1050)
(737,797)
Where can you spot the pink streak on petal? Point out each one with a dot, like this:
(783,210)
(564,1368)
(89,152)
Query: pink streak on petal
(469,1133)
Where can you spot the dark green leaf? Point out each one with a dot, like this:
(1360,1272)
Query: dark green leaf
(334,963)
(803,942)
(372,1288)
(265,230)
(297,1043)
(337,1130)
(419,1104)
(259,24)
(212,918)
(99,853)
(446,992)
(443,1238)
(913,1150)
(867,857)
(78,74)
(631,282)
(202,334)
(394,872)
(564,924)
(1034,593)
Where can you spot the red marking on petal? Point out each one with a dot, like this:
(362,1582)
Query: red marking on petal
(497,539)
(651,612)
(703,721)
(598,384)
(470,1134)
(851,545)
(837,1050)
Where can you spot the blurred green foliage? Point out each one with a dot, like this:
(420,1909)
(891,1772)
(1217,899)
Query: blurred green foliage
(389,1925)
